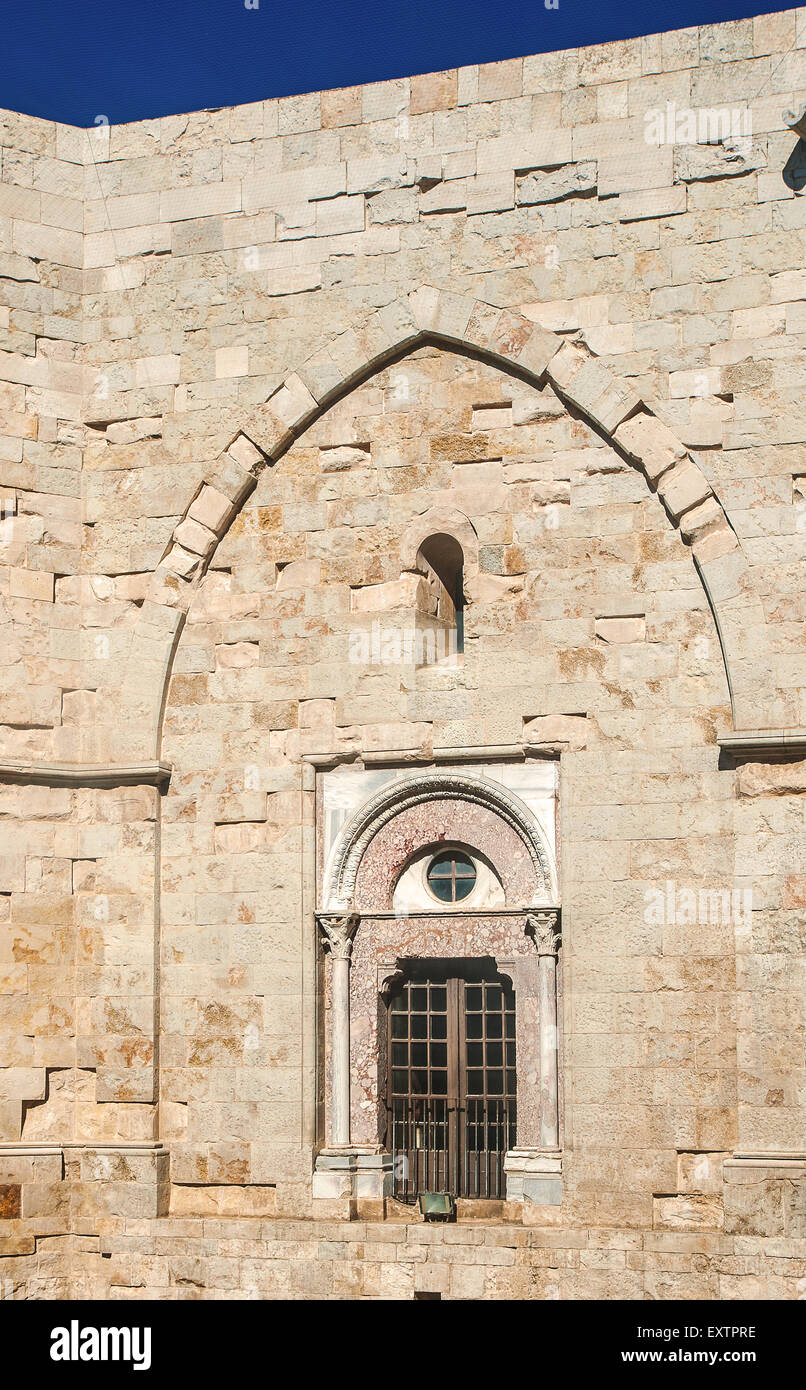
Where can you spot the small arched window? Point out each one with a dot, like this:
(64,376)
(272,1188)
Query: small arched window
(441,560)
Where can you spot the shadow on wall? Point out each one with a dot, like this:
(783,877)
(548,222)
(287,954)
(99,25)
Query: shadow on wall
(795,168)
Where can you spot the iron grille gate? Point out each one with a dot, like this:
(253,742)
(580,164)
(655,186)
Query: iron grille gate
(451,1094)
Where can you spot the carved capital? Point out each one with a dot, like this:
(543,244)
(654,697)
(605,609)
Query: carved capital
(338,928)
(544,928)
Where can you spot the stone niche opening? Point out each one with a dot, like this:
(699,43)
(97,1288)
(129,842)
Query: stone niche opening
(490,909)
(440,615)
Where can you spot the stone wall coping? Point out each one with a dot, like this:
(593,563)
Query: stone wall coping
(152,773)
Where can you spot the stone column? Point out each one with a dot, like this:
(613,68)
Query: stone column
(544,930)
(339,929)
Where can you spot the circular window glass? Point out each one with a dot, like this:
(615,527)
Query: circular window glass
(451,876)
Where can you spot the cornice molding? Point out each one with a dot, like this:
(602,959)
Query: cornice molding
(152,773)
(764,743)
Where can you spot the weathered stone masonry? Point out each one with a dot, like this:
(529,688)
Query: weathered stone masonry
(251,360)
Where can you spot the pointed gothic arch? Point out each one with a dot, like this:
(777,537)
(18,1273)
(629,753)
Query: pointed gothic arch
(504,339)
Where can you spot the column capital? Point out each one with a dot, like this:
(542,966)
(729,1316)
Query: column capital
(339,928)
(543,925)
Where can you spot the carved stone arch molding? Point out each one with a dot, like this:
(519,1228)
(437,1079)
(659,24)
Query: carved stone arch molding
(338,889)
(505,339)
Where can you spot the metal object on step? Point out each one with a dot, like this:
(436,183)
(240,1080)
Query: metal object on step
(437,1206)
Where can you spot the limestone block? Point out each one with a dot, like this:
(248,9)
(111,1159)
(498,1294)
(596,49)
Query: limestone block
(206,200)
(570,181)
(349,355)
(341,107)
(22,1083)
(320,374)
(700,1172)
(212,509)
(683,487)
(532,349)
(299,574)
(649,442)
(131,431)
(571,729)
(441,312)
(500,81)
(541,149)
(409,592)
(293,403)
(389,329)
(157,371)
(601,396)
(335,216)
(195,537)
(726,160)
(383,172)
(31,584)
(12,873)
(232,361)
(770,779)
(245,453)
(298,279)
(627,629)
(720,559)
(180,561)
(490,193)
(565,365)
(245,807)
(434,91)
(706,381)
(651,203)
(635,167)
(342,457)
(394,206)
(699,518)
(692,1212)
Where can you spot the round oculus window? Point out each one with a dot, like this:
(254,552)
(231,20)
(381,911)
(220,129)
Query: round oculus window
(451,876)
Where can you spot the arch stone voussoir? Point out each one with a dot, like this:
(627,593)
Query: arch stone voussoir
(514,343)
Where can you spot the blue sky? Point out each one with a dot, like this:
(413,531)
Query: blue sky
(75,60)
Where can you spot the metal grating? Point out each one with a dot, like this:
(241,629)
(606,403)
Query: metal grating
(451,1094)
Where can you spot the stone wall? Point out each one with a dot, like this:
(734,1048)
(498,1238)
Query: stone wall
(243,353)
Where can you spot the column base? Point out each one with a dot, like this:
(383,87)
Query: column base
(534,1175)
(357,1172)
